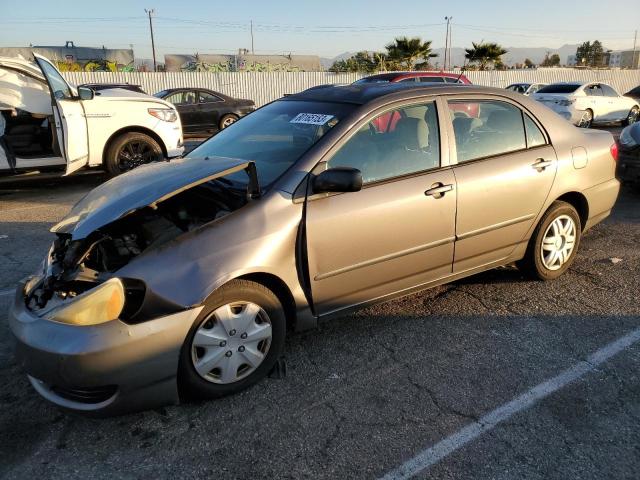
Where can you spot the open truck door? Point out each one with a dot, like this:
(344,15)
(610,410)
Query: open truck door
(69,117)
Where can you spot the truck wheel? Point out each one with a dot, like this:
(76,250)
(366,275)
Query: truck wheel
(131,150)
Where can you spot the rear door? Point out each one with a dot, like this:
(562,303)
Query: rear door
(186,102)
(504,172)
(395,233)
(597,102)
(210,105)
(69,117)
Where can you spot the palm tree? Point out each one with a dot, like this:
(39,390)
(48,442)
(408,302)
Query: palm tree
(484,54)
(407,51)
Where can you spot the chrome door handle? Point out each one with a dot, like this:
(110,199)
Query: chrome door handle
(540,164)
(438,190)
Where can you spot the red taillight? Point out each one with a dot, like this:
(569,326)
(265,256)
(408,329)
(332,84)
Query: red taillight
(614,151)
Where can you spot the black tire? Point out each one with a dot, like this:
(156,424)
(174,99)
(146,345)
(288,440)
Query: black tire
(227,120)
(634,114)
(138,147)
(532,264)
(589,123)
(194,386)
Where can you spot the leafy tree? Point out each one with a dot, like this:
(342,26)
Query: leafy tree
(528,63)
(590,54)
(406,52)
(362,62)
(484,54)
(551,61)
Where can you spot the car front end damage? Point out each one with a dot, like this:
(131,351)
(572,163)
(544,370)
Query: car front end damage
(92,339)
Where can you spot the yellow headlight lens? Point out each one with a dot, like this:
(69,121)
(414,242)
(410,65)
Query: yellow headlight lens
(99,305)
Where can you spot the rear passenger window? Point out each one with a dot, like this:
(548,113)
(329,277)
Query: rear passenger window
(486,128)
(432,79)
(396,143)
(535,137)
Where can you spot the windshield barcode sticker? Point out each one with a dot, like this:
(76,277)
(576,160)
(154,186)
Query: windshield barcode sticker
(311,118)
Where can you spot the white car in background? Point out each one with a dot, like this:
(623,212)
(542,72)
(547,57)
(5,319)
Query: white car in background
(584,104)
(526,88)
(47,124)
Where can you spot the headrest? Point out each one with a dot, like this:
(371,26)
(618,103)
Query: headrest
(412,133)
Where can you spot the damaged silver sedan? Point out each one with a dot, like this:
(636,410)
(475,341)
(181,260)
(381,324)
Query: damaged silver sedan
(181,279)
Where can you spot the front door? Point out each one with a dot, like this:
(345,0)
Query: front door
(398,231)
(69,118)
(210,110)
(505,170)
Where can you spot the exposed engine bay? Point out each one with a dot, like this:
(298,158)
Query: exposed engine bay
(75,266)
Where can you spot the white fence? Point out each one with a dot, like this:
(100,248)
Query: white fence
(263,87)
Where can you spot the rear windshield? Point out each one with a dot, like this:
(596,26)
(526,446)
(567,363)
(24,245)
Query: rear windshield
(560,88)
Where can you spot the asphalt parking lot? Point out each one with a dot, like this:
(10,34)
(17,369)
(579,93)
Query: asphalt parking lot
(489,377)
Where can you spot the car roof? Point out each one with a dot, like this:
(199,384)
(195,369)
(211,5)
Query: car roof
(360,94)
(394,75)
(180,89)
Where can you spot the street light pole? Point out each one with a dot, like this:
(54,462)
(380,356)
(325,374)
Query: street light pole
(447,44)
(252,37)
(153,45)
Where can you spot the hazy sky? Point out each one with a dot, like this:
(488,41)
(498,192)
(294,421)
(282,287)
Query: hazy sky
(323,27)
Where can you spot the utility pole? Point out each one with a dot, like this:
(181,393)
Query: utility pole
(450,42)
(252,37)
(153,45)
(446,44)
(634,63)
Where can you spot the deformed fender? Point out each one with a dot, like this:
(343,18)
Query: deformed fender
(258,238)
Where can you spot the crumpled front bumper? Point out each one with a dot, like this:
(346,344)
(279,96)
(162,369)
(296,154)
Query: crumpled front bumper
(106,369)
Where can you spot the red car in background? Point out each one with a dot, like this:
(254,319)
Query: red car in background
(384,124)
(426,77)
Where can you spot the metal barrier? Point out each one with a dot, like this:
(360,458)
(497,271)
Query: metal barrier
(263,87)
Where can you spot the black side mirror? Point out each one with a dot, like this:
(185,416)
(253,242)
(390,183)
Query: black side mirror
(85,93)
(338,179)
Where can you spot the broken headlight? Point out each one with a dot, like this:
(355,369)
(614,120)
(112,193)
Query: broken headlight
(98,305)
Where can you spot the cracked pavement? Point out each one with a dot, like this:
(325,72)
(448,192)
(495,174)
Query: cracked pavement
(366,392)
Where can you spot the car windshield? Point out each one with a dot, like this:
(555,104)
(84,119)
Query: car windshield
(274,137)
(160,94)
(560,88)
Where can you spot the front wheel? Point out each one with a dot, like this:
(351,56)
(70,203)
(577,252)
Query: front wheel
(586,120)
(632,117)
(131,150)
(554,243)
(234,342)
(227,120)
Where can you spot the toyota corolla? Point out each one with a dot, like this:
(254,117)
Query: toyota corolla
(181,279)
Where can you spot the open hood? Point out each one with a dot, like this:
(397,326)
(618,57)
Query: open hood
(146,186)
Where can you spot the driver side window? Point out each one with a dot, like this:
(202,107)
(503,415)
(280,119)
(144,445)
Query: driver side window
(395,143)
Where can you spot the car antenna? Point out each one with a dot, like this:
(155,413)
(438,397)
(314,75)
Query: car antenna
(464,65)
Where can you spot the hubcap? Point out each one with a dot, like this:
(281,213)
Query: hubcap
(231,343)
(633,116)
(558,242)
(134,154)
(227,122)
(585,121)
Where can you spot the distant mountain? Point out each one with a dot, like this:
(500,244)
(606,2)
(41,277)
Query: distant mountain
(514,55)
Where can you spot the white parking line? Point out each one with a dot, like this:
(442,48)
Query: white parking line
(444,448)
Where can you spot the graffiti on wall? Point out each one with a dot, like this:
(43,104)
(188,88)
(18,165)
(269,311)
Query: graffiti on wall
(242,63)
(79,59)
(92,65)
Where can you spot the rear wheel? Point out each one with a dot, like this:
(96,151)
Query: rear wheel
(554,243)
(227,120)
(586,120)
(234,343)
(632,117)
(131,150)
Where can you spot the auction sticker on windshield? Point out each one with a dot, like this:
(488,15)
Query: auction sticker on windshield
(311,118)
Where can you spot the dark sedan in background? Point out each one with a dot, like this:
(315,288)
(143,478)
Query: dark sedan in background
(634,93)
(629,160)
(204,111)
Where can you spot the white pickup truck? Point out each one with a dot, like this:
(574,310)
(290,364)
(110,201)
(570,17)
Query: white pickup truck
(47,124)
